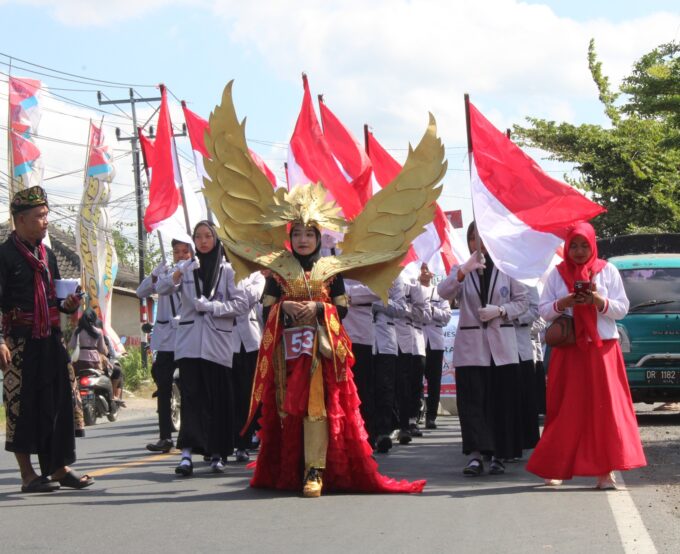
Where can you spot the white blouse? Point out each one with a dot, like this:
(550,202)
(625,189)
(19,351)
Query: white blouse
(609,286)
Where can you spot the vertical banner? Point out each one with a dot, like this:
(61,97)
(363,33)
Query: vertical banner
(25,163)
(448,370)
(94,239)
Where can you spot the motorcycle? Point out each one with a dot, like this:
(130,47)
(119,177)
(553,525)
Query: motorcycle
(96,393)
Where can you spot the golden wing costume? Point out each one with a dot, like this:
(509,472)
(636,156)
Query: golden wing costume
(253,217)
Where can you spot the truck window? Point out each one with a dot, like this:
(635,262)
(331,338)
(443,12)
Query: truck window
(652,290)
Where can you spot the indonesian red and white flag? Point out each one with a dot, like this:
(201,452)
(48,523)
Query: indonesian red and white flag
(197,127)
(310,159)
(522,214)
(438,245)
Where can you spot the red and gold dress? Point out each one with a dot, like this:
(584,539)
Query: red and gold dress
(310,407)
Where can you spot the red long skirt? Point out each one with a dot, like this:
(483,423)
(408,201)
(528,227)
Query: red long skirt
(590,426)
(349,463)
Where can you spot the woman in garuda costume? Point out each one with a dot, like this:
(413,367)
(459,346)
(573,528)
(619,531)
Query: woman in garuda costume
(312,434)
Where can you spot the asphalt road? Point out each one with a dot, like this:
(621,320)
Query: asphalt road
(138,505)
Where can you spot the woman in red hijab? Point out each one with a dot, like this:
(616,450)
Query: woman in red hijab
(590,427)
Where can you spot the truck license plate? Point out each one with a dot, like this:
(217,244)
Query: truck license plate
(662,376)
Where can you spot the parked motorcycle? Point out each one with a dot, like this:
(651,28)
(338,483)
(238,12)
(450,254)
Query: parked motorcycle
(96,393)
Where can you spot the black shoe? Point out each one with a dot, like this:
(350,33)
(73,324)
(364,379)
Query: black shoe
(415,430)
(430,424)
(405,436)
(383,444)
(496,468)
(163,445)
(184,469)
(474,468)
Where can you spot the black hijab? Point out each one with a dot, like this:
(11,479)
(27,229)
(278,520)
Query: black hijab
(87,323)
(210,261)
(308,261)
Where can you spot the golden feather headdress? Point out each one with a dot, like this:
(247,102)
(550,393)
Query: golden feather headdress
(306,204)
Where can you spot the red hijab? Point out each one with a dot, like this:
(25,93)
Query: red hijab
(585,315)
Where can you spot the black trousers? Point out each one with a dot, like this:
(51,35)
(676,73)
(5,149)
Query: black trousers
(488,402)
(385,366)
(162,371)
(529,407)
(207,407)
(403,378)
(416,384)
(243,371)
(433,373)
(364,380)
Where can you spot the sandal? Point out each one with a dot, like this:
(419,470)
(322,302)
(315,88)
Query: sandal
(72,480)
(497,467)
(474,468)
(40,484)
(184,469)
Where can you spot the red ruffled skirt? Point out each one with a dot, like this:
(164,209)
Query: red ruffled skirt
(590,426)
(349,462)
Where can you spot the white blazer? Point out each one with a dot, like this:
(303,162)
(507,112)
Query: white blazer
(477,344)
(437,315)
(403,321)
(609,285)
(523,324)
(207,335)
(359,319)
(167,315)
(384,317)
(419,306)
(248,331)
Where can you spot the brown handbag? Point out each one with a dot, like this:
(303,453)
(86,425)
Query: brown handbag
(561,332)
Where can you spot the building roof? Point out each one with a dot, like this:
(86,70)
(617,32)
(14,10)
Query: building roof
(64,248)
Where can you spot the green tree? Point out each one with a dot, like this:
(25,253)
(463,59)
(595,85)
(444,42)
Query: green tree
(127,251)
(654,89)
(629,168)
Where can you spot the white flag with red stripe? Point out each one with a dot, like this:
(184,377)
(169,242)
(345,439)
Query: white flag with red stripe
(522,214)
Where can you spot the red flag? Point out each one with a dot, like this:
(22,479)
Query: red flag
(310,159)
(522,213)
(348,152)
(164,196)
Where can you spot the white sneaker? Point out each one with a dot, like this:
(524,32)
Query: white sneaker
(606,482)
(553,482)
(217,466)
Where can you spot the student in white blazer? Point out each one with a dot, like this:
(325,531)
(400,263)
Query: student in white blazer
(359,326)
(403,323)
(204,349)
(527,370)
(247,335)
(163,342)
(486,358)
(437,315)
(385,350)
(418,356)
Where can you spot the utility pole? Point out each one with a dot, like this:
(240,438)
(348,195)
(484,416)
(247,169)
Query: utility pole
(139,193)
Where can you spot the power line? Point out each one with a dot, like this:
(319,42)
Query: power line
(101,82)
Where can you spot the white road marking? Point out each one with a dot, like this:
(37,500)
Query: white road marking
(632,530)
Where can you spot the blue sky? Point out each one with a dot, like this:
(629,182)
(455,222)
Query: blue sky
(385,63)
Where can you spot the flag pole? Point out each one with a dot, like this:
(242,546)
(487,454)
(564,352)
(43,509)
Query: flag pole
(366,139)
(480,272)
(10,157)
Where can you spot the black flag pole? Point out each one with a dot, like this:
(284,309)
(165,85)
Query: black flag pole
(480,272)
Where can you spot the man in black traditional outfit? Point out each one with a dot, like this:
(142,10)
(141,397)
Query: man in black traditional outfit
(37,390)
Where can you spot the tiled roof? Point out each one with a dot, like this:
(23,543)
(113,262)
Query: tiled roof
(64,247)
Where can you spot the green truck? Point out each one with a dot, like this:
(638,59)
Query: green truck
(650,332)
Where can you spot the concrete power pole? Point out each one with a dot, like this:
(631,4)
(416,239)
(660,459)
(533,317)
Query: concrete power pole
(139,193)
